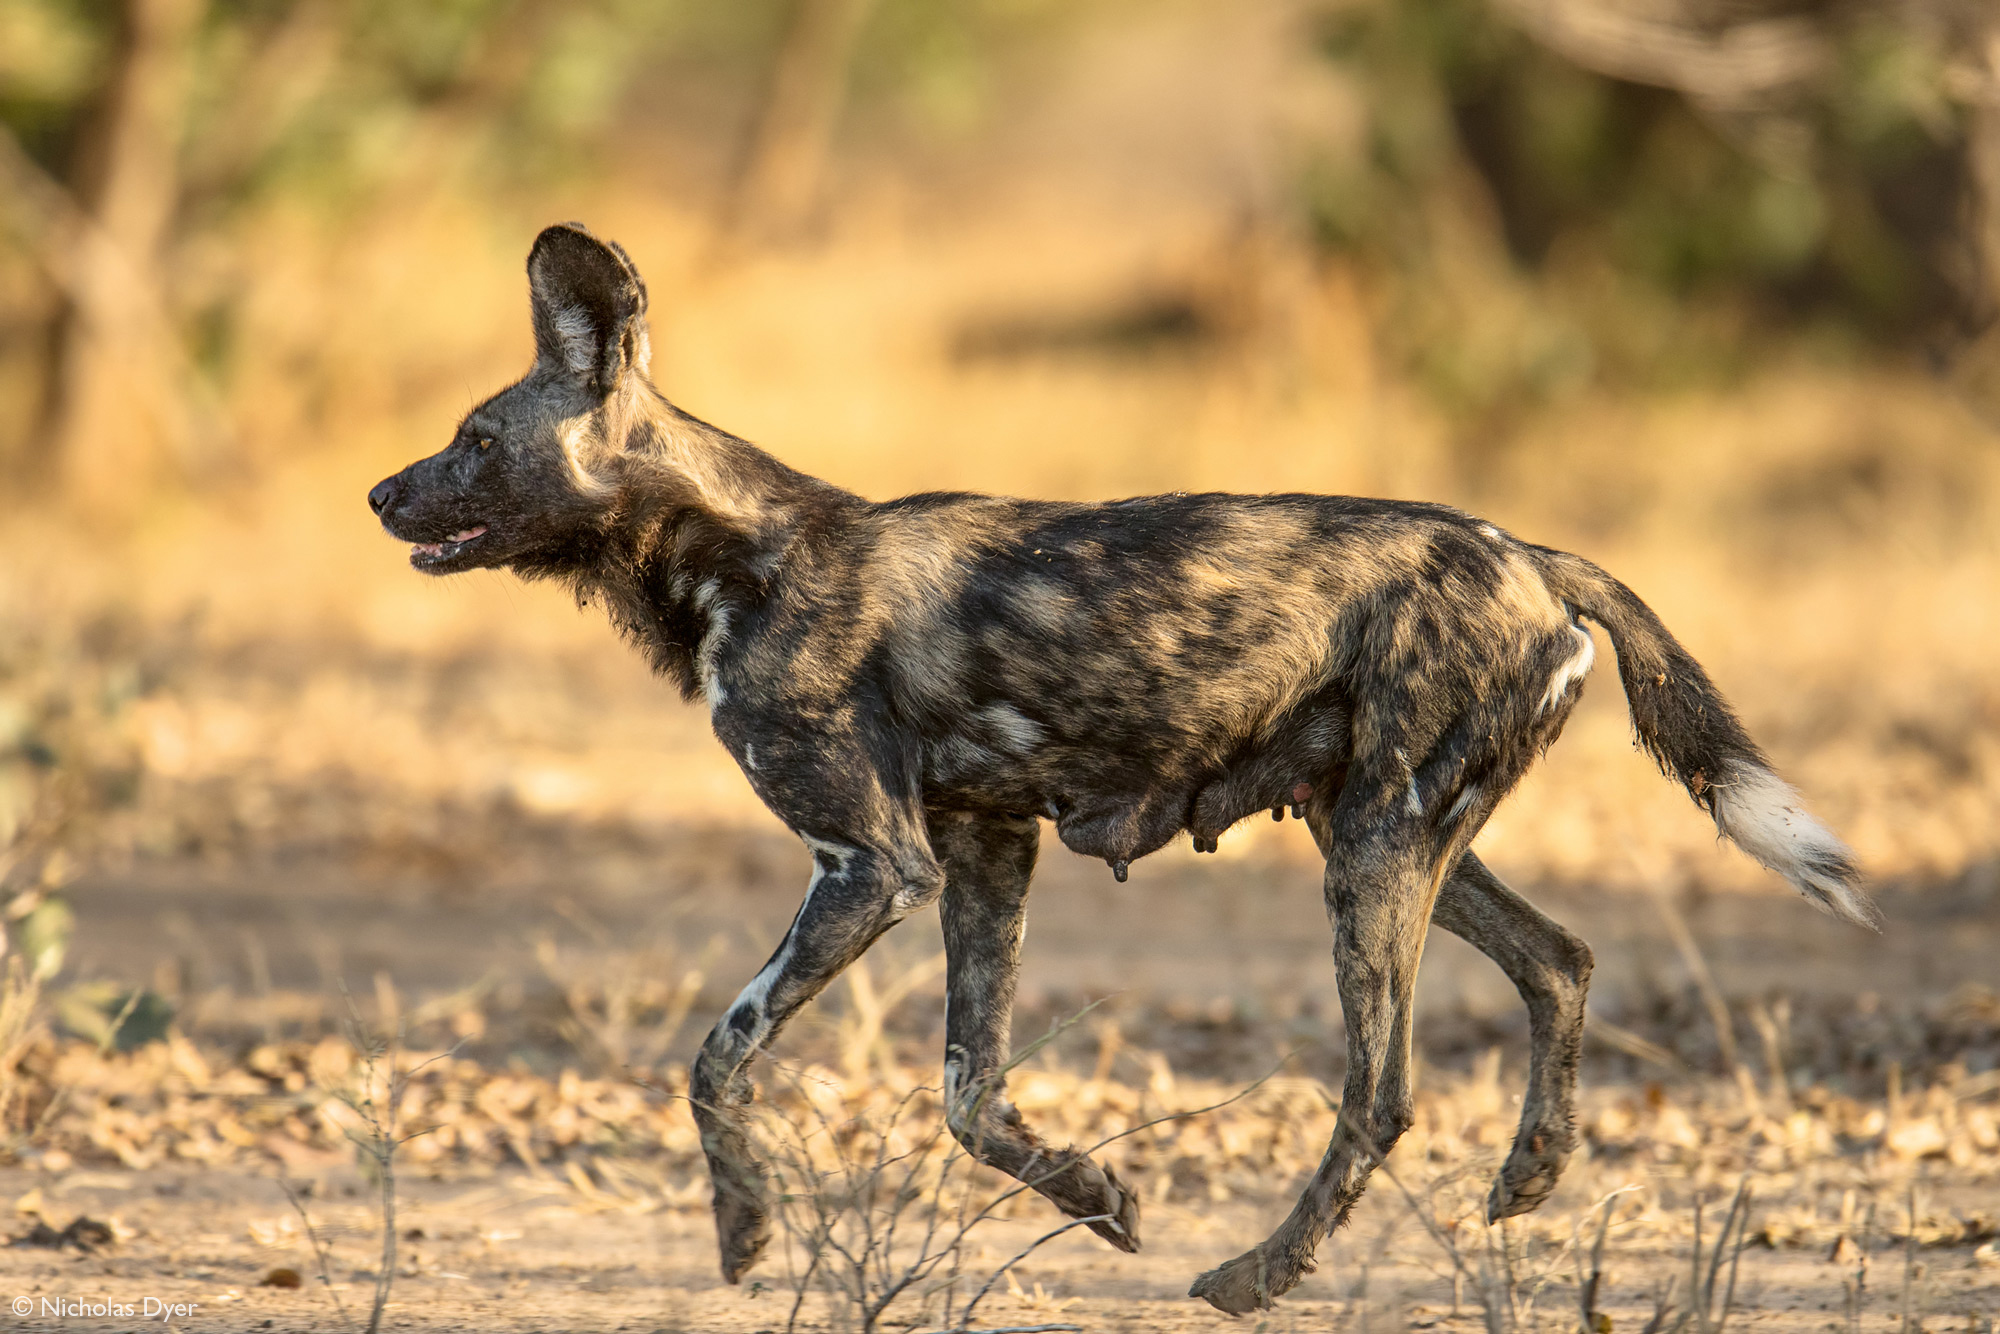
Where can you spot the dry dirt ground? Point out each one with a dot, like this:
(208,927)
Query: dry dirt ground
(1209,972)
(504,1256)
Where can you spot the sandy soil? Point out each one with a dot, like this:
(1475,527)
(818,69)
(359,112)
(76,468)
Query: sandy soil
(1219,966)
(504,1255)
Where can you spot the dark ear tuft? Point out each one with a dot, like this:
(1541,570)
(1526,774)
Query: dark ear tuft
(589,307)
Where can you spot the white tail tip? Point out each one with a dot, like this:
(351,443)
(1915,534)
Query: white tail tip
(1761,814)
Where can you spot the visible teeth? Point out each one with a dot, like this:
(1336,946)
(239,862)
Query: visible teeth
(437,548)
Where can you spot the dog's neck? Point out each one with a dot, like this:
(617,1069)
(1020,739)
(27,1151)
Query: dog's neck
(728,479)
(703,525)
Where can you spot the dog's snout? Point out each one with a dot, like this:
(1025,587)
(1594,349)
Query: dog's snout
(383,494)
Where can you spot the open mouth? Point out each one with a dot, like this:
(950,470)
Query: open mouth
(436,553)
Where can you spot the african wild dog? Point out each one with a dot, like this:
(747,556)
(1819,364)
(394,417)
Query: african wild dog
(913,686)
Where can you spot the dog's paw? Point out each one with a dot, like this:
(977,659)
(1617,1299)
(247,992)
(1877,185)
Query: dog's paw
(1527,1178)
(742,1230)
(1241,1286)
(1122,1203)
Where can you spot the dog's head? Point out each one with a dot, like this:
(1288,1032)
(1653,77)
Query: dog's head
(531,473)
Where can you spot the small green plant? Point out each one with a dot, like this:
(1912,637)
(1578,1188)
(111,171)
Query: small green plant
(34,950)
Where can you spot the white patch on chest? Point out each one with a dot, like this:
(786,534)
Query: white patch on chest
(707,602)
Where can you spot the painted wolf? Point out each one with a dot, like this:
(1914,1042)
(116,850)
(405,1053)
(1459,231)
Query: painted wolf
(913,686)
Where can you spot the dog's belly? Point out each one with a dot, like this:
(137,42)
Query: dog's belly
(1121,804)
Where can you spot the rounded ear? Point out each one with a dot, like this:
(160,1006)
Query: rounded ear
(589,307)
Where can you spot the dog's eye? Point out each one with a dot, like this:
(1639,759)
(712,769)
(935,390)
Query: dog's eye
(486,442)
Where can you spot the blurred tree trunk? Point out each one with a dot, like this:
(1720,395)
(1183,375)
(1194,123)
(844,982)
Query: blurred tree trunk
(1985,149)
(114,405)
(1744,64)
(1978,370)
(781,176)
(290,68)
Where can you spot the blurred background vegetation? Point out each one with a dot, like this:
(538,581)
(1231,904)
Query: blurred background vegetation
(1705,289)
(1539,197)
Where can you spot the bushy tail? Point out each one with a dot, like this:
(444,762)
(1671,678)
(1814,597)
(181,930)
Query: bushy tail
(1685,724)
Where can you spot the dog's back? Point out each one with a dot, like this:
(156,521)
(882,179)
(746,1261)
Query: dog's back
(1172,662)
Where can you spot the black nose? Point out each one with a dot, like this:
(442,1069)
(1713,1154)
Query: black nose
(383,494)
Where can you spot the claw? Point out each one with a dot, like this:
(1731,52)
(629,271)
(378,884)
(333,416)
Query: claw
(1278,813)
(1118,872)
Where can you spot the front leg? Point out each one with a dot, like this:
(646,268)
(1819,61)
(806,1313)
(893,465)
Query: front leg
(988,860)
(858,891)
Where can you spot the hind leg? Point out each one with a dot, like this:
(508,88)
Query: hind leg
(987,862)
(1382,877)
(1551,969)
